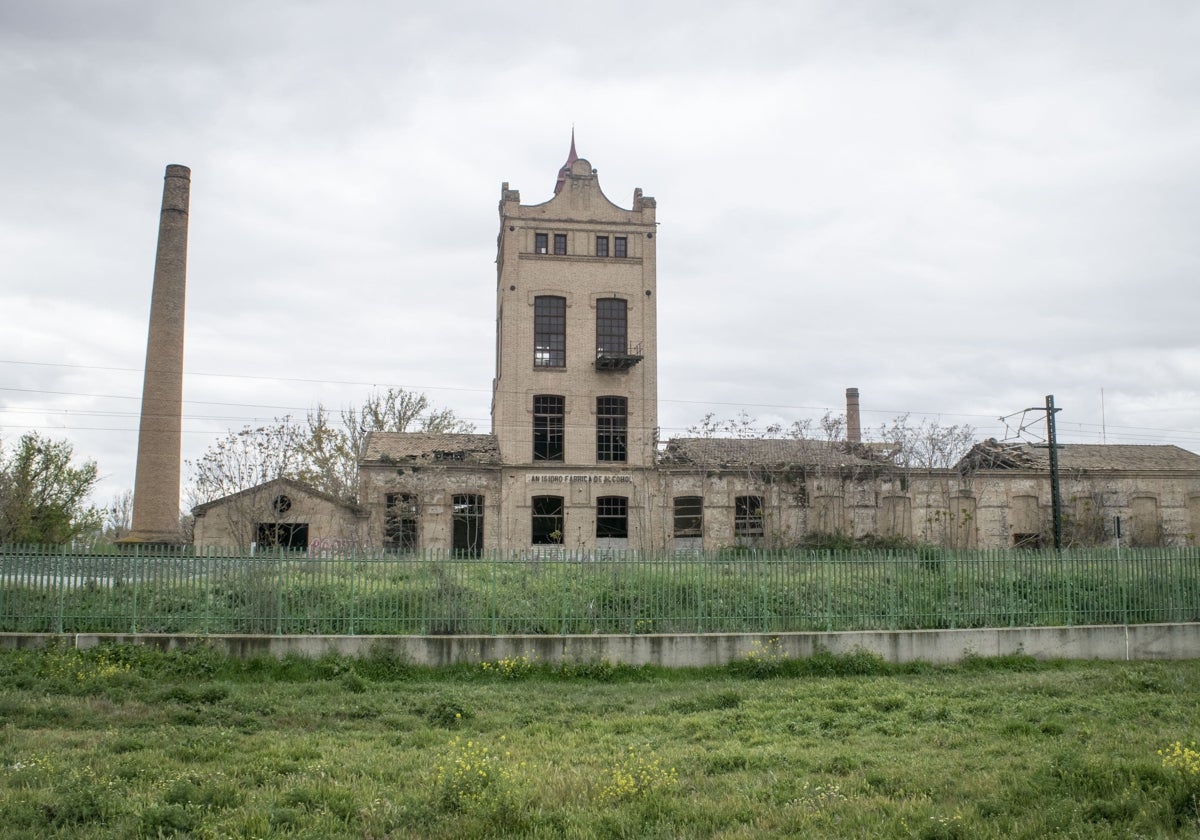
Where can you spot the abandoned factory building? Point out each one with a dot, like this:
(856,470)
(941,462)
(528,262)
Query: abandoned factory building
(573,460)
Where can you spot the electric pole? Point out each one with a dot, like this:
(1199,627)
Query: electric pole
(1055,492)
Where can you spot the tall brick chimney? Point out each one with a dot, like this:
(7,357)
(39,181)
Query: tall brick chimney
(853,425)
(156,488)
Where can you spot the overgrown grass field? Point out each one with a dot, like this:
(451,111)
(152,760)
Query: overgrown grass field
(132,742)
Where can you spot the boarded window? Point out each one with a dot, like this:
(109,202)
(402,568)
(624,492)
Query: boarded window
(1147,528)
(895,517)
(1025,515)
(828,514)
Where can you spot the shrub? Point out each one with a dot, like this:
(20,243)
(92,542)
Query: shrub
(637,775)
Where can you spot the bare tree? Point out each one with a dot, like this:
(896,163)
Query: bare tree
(927,445)
(331,449)
(118,516)
(322,451)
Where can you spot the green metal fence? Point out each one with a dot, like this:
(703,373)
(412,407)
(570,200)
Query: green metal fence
(88,591)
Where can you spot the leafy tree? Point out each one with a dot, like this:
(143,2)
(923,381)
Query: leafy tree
(43,496)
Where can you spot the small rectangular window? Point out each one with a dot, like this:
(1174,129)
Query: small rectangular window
(620,246)
(560,243)
(547,427)
(612,517)
(547,520)
(611,426)
(601,246)
(689,516)
(541,243)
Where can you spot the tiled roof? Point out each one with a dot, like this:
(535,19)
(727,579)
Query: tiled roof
(735,452)
(992,454)
(432,447)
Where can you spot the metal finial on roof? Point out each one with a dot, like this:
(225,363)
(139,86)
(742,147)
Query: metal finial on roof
(566,167)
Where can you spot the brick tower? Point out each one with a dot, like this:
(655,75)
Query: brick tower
(156,488)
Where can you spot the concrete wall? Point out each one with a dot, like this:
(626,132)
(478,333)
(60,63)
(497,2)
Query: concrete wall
(1113,642)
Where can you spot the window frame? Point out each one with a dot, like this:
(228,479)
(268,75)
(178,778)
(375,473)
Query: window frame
(601,246)
(466,515)
(748,519)
(688,516)
(612,329)
(612,429)
(400,524)
(620,247)
(560,244)
(549,427)
(541,243)
(546,520)
(549,331)
(612,517)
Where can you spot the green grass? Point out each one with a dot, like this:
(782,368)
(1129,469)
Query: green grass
(440,594)
(132,742)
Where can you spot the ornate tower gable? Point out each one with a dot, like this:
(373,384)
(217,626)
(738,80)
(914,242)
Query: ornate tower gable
(576,343)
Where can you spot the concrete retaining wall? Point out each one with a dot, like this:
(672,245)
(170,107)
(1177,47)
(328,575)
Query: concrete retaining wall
(1141,641)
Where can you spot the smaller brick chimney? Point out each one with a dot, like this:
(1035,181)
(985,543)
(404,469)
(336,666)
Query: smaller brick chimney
(853,426)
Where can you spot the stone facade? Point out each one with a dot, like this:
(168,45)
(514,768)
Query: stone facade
(573,461)
(280,514)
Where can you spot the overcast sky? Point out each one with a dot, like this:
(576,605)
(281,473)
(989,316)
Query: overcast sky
(956,207)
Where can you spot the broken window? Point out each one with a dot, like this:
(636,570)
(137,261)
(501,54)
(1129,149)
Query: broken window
(541,243)
(467,537)
(549,331)
(548,413)
(612,517)
(601,246)
(620,246)
(547,520)
(689,516)
(400,522)
(290,536)
(611,426)
(611,326)
(748,518)
(560,243)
